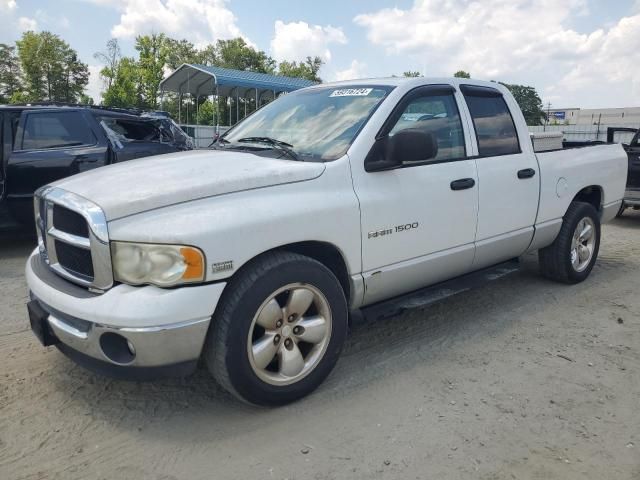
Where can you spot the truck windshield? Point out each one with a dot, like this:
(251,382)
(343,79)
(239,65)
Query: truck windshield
(317,124)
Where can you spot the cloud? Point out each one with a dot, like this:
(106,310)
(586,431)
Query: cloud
(356,70)
(297,40)
(95,85)
(199,21)
(7,5)
(10,26)
(26,23)
(513,39)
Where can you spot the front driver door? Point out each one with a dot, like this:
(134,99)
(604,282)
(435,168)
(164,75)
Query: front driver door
(419,220)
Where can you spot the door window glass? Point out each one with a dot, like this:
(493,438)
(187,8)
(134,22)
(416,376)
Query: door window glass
(495,130)
(55,130)
(438,115)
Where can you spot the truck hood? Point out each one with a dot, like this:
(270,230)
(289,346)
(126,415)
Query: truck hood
(154,182)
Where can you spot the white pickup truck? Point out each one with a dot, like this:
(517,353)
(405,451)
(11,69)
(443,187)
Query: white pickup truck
(252,255)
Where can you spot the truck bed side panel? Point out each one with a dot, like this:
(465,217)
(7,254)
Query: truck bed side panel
(564,173)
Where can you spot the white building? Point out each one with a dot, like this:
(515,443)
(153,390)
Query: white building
(628,116)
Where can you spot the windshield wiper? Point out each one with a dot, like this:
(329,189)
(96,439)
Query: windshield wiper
(275,143)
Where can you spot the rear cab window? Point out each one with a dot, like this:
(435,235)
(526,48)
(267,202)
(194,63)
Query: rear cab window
(494,126)
(44,130)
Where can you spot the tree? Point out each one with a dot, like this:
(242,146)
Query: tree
(51,68)
(179,52)
(307,69)
(206,113)
(153,54)
(86,99)
(110,58)
(236,54)
(126,88)
(10,75)
(411,74)
(462,74)
(529,102)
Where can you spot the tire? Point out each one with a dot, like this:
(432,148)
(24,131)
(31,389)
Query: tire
(238,346)
(560,261)
(623,207)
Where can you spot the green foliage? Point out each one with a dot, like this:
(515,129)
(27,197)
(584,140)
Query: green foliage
(411,73)
(307,69)
(529,102)
(50,68)
(126,88)
(10,75)
(153,53)
(462,74)
(235,53)
(86,99)
(111,58)
(206,113)
(179,52)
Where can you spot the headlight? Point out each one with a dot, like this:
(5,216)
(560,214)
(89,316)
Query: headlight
(161,265)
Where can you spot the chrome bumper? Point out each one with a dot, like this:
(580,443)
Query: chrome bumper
(137,347)
(126,326)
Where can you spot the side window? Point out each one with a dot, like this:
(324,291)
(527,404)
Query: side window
(132,130)
(438,115)
(495,130)
(55,130)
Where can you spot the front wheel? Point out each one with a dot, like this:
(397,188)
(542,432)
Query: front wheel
(278,330)
(571,257)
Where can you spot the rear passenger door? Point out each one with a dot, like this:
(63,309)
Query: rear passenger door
(50,145)
(509,181)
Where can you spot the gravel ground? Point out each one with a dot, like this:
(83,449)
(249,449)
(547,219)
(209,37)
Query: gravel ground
(522,378)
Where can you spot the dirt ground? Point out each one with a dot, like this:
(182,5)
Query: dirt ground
(520,379)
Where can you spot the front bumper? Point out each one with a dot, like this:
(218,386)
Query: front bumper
(158,327)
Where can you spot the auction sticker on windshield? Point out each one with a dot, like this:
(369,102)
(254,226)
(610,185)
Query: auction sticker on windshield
(351,92)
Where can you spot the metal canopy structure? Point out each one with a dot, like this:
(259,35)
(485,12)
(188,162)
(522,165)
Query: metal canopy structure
(240,87)
(202,80)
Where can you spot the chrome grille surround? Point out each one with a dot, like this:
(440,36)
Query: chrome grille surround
(97,242)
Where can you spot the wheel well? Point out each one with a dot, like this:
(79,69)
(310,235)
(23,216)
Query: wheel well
(592,195)
(328,255)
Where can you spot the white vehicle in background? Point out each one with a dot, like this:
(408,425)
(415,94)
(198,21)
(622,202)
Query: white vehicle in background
(328,200)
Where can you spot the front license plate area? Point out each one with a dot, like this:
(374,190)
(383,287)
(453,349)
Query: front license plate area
(39,325)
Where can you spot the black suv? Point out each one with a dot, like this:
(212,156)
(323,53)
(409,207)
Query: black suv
(632,195)
(43,143)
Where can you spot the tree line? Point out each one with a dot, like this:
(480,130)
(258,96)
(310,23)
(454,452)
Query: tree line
(41,66)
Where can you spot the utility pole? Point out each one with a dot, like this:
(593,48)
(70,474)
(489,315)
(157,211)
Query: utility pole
(544,129)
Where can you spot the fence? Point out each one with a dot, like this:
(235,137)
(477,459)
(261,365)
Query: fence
(586,132)
(202,135)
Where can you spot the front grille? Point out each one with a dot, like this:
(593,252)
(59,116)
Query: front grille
(70,222)
(73,238)
(75,260)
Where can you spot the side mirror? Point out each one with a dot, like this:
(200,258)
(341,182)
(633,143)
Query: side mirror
(409,145)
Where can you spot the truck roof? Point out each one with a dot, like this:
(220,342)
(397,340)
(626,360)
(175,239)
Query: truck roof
(410,81)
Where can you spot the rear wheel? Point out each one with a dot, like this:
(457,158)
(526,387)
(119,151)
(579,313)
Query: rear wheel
(570,258)
(278,330)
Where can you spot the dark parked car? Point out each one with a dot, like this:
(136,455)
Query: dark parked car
(43,143)
(632,195)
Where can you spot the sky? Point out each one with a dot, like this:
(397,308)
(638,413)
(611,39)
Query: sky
(576,53)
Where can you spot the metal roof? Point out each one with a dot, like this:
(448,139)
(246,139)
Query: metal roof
(202,80)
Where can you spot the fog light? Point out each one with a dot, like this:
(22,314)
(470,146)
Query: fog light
(117,348)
